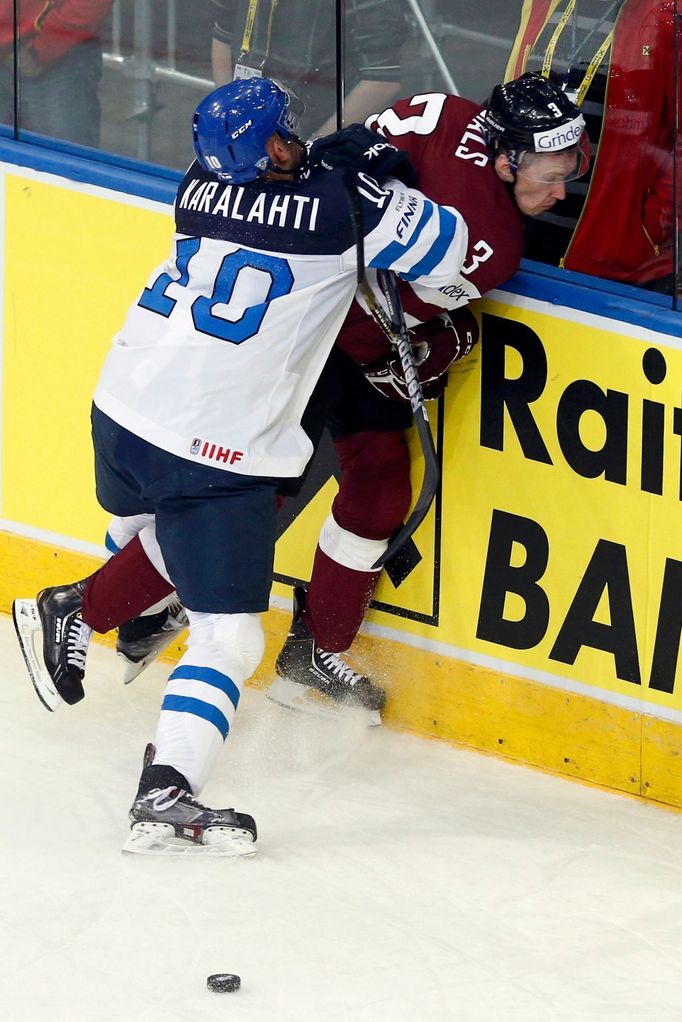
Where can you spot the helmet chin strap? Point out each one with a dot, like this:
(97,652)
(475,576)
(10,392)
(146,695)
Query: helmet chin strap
(510,186)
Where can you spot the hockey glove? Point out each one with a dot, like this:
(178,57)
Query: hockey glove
(435,346)
(358,148)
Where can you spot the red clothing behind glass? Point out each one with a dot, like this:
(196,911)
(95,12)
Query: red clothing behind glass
(625,230)
(51,28)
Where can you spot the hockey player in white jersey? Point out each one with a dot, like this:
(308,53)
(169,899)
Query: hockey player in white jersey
(367,428)
(197,416)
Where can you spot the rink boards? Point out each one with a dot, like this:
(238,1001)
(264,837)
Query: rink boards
(542,622)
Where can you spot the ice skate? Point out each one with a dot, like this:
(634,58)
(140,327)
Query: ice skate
(169,821)
(143,639)
(319,683)
(54,641)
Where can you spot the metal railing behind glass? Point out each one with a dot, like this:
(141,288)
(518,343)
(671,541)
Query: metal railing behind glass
(146,72)
(141,66)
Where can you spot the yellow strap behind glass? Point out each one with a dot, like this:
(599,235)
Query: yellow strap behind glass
(549,52)
(248,27)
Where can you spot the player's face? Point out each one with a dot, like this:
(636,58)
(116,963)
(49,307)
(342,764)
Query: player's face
(541,178)
(535,197)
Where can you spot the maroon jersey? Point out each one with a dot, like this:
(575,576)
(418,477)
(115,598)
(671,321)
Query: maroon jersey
(444,138)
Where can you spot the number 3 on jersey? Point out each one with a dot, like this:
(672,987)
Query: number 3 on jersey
(205,319)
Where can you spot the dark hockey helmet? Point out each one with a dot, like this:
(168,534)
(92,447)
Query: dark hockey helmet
(232,124)
(529,117)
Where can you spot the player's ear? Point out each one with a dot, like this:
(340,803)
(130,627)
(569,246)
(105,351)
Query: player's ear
(503,167)
(283,153)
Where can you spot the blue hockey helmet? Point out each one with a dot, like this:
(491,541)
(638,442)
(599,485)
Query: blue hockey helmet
(232,124)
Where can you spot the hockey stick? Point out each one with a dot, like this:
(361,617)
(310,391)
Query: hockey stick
(395,329)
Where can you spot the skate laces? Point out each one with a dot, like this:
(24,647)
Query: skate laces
(77,639)
(339,668)
(176,614)
(164,798)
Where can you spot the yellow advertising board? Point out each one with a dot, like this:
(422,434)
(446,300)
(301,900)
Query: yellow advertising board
(75,257)
(569,460)
(555,545)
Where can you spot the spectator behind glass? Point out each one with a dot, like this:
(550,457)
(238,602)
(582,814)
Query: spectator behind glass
(60,65)
(616,59)
(295,41)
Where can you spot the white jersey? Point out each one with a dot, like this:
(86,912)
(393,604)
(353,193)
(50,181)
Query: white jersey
(216,361)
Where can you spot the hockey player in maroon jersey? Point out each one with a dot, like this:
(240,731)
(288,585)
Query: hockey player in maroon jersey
(485,165)
(513,158)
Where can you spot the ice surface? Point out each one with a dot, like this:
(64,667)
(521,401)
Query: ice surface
(397,880)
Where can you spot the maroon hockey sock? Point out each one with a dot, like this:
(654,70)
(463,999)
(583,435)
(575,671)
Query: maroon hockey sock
(337,600)
(122,588)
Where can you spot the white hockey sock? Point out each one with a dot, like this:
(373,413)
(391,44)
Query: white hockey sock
(202,693)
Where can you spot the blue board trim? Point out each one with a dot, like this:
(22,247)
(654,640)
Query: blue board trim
(620,302)
(90,166)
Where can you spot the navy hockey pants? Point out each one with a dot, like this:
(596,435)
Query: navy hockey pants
(216,529)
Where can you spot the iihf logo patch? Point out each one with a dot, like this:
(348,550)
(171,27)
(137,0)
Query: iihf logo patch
(208,449)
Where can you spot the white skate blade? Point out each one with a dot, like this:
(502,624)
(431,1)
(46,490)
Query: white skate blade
(131,669)
(30,636)
(161,839)
(305,699)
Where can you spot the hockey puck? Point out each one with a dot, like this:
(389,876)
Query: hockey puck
(223,982)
